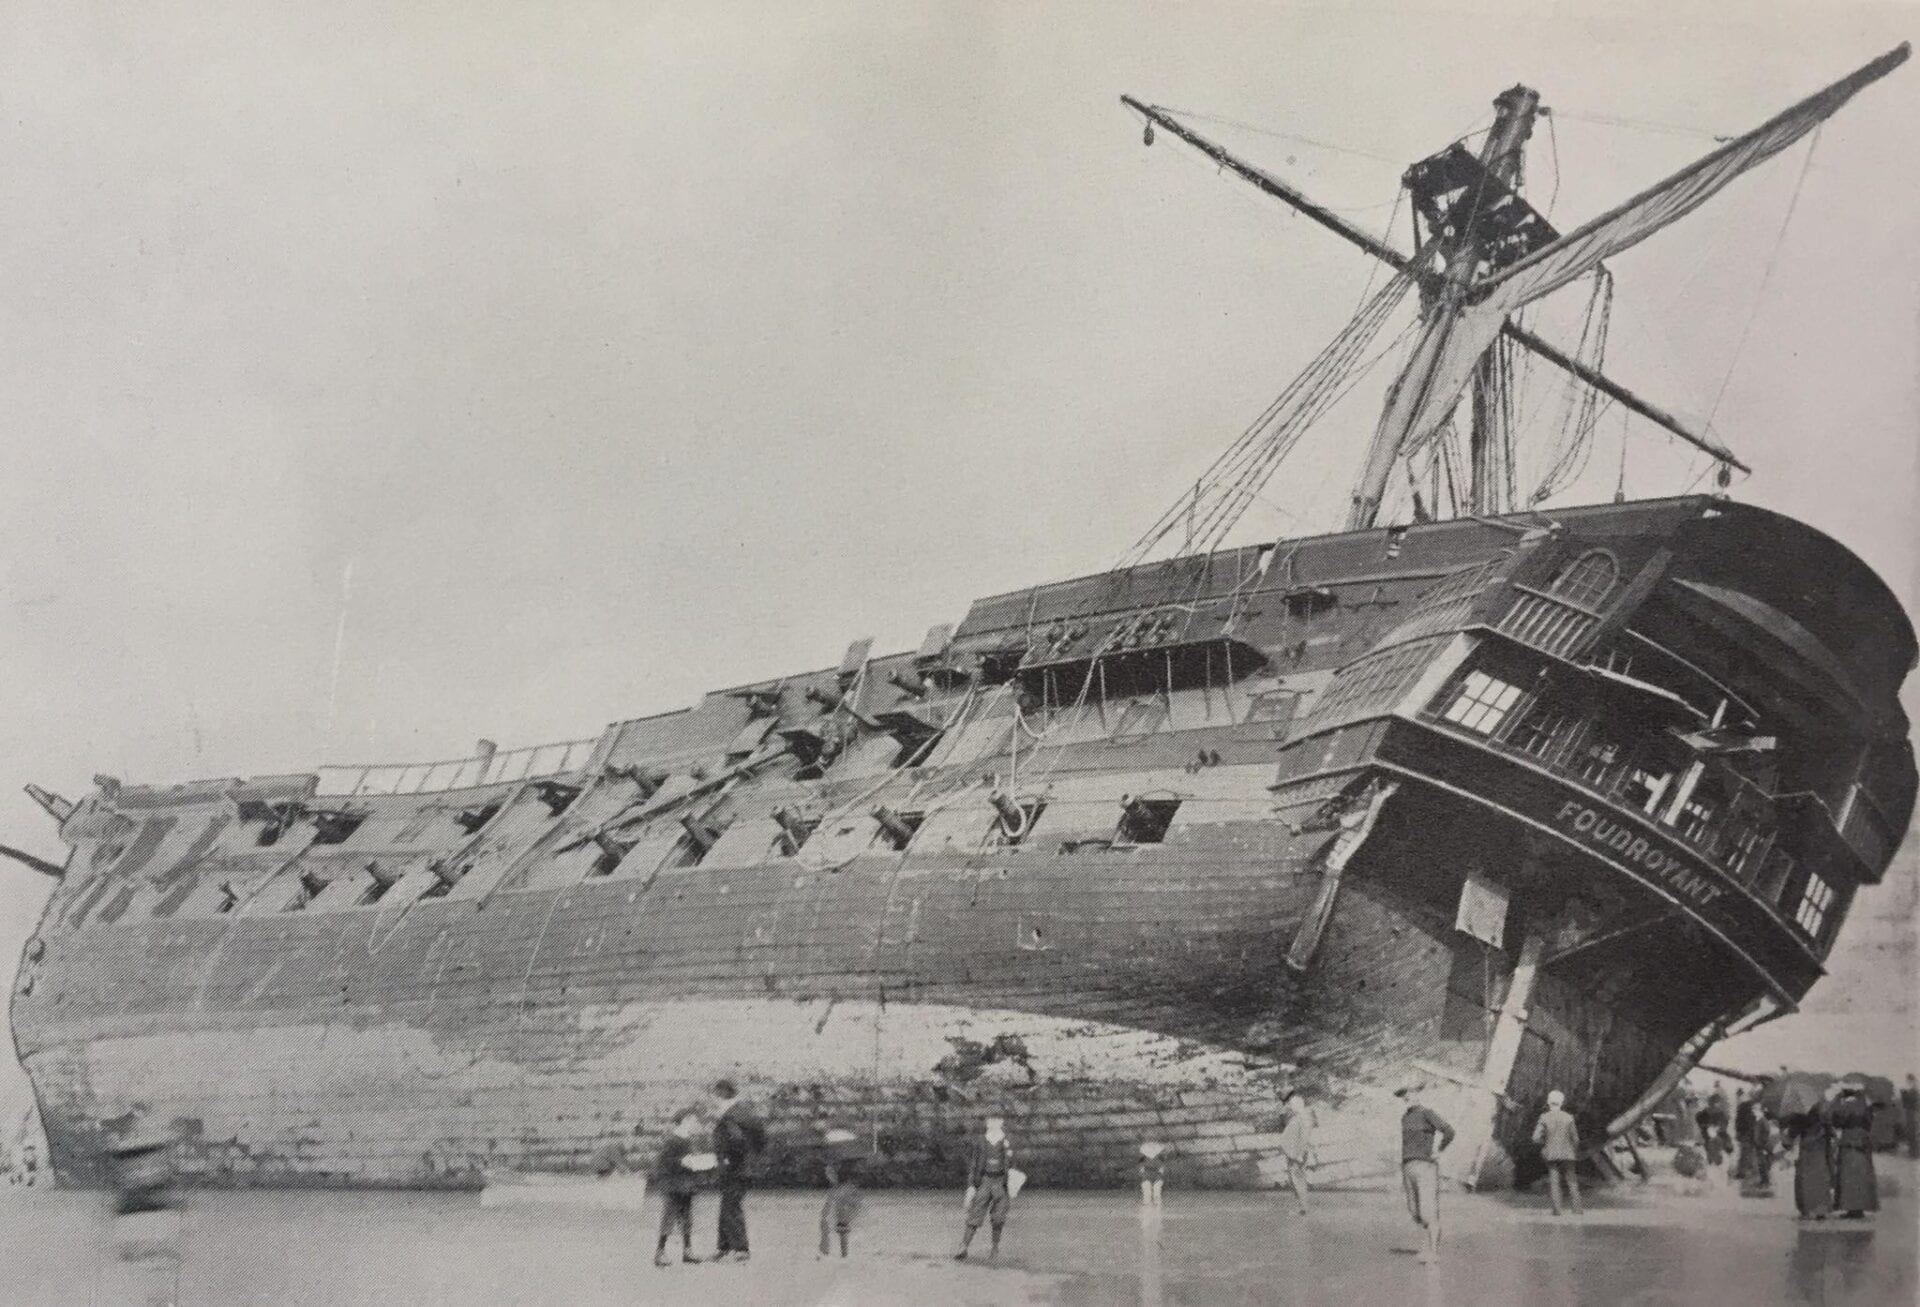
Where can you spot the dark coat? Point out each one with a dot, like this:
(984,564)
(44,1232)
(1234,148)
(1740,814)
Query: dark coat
(1713,1129)
(1813,1164)
(738,1137)
(1855,1189)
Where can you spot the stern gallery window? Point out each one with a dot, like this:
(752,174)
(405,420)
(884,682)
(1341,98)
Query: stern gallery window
(1482,703)
(1815,902)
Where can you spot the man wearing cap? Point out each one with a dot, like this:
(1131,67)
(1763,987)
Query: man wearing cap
(1423,1136)
(738,1138)
(1296,1143)
(989,1167)
(1559,1140)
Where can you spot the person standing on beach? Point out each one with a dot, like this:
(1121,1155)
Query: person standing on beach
(1559,1140)
(989,1196)
(1153,1172)
(675,1179)
(1812,1163)
(1296,1143)
(737,1139)
(1423,1137)
(1766,1142)
(1713,1127)
(1856,1191)
(1743,1111)
(843,1193)
(1910,1114)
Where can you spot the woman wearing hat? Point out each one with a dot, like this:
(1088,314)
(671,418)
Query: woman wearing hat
(1812,1138)
(1855,1191)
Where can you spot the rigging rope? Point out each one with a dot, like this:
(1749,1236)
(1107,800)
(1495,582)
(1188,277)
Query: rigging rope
(1553,140)
(1233,481)
(1766,275)
(1583,407)
(1285,136)
(1638,124)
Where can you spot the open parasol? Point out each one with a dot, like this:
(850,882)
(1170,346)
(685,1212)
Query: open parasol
(1878,1089)
(1793,1093)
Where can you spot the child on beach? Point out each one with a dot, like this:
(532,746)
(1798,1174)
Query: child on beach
(843,1190)
(1153,1170)
(676,1175)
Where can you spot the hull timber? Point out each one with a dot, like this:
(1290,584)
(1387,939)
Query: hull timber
(1120,858)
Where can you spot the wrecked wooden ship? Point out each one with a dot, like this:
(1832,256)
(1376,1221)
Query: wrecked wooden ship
(1497,798)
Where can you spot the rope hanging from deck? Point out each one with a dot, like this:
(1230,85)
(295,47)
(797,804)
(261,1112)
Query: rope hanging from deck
(1582,409)
(1202,517)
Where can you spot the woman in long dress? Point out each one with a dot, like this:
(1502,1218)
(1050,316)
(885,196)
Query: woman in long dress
(1855,1191)
(1812,1163)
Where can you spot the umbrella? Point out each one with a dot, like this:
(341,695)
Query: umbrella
(1878,1089)
(1793,1093)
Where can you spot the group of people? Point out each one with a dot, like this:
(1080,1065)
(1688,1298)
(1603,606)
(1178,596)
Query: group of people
(687,1163)
(680,1169)
(720,1148)
(1832,1144)
(1746,1137)
(1425,1134)
(1833,1164)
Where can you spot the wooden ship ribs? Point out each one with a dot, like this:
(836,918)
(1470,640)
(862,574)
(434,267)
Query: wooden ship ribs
(1515,801)
(1506,805)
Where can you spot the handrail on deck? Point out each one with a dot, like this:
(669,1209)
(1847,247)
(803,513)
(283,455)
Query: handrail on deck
(530,762)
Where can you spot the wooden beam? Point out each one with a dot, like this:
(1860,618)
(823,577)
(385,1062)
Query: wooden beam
(1379,249)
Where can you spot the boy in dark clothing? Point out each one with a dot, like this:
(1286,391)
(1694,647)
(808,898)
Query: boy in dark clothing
(676,1181)
(1423,1136)
(988,1198)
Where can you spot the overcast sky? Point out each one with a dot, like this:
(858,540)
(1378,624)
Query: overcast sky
(378,377)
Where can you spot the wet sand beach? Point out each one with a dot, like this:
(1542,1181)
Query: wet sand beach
(1642,1244)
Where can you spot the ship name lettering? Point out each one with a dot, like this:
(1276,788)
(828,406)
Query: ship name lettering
(1619,838)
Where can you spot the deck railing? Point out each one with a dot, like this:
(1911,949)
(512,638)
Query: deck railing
(1547,622)
(1609,766)
(529,763)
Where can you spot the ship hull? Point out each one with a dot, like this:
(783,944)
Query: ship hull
(530,1036)
(1493,807)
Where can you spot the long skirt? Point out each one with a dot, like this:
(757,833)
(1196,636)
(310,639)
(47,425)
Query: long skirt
(1812,1180)
(1854,1187)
